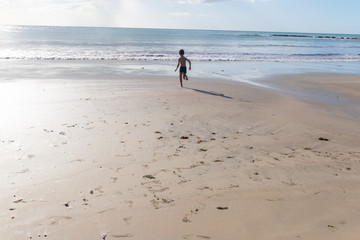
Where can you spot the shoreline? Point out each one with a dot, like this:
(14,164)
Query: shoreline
(258,74)
(305,81)
(236,71)
(141,158)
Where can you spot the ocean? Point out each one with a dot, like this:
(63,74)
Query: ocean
(129,44)
(97,53)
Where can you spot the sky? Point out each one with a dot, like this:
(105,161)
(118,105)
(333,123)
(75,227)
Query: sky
(315,16)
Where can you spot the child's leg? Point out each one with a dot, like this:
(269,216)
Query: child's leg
(180,75)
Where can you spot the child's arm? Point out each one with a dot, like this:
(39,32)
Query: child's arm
(189,63)
(177,66)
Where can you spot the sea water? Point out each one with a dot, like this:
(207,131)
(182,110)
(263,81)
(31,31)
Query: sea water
(93,43)
(234,55)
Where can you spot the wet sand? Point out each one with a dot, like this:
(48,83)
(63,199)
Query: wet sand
(141,158)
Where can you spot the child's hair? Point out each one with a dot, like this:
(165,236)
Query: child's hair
(181,52)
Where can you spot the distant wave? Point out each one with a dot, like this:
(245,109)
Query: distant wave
(237,34)
(316,36)
(289,35)
(318,55)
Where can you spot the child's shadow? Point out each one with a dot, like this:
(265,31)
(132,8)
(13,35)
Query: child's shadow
(210,93)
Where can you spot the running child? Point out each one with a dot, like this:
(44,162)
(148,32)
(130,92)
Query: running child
(182,63)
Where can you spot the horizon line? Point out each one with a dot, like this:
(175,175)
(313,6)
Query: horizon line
(166,28)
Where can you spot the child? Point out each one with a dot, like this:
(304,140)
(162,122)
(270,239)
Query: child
(182,63)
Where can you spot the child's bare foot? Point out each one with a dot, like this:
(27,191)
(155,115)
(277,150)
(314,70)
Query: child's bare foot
(186,78)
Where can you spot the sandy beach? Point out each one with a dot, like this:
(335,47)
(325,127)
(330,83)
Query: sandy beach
(138,157)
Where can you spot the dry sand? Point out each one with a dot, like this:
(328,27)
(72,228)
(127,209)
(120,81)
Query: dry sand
(142,158)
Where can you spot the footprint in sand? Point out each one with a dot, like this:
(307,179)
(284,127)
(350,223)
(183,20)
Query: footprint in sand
(77,160)
(192,236)
(129,203)
(99,189)
(127,235)
(205,188)
(149,177)
(19,201)
(157,201)
(331,227)
(23,171)
(55,220)
(188,217)
(218,161)
(183,181)
(114,179)
(157,189)
(127,220)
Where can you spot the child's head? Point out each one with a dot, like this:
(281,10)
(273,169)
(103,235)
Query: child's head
(181,52)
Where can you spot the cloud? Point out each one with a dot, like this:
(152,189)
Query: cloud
(62,12)
(180,14)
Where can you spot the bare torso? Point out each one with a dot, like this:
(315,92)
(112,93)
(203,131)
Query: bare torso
(182,61)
